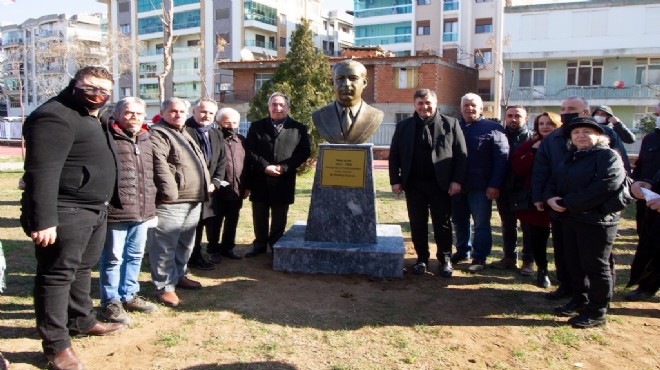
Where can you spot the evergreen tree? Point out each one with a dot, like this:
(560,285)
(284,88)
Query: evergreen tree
(304,76)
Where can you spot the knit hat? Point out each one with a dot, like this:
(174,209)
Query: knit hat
(604,109)
(583,122)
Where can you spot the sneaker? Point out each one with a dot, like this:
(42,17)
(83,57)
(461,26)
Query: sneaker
(586,321)
(570,309)
(638,295)
(542,279)
(506,263)
(477,265)
(114,312)
(527,269)
(446,269)
(459,257)
(200,263)
(419,268)
(139,304)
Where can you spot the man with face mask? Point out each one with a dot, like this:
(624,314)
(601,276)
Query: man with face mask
(70,178)
(210,141)
(605,116)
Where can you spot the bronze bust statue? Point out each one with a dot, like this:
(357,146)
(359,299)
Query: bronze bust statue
(349,119)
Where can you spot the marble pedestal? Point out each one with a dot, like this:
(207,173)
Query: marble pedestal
(342,235)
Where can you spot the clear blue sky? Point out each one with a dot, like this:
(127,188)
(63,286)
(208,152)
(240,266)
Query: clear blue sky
(17,11)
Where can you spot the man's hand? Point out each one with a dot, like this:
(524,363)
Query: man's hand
(654,204)
(454,188)
(539,206)
(636,188)
(397,189)
(273,170)
(211,188)
(552,202)
(612,120)
(44,237)
(492,193)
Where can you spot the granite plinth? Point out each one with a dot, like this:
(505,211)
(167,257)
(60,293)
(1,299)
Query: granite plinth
(293,253)
(343,205)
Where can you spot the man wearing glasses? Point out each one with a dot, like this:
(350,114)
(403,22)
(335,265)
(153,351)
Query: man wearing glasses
(70,177)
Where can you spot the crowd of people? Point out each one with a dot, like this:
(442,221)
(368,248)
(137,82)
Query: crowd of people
(102,188)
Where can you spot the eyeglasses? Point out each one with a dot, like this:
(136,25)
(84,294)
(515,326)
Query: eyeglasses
(93,90)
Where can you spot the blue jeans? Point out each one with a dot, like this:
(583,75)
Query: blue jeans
(121,259)
(476,205)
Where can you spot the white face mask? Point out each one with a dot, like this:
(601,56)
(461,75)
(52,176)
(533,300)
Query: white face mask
(657,122)
(600,119)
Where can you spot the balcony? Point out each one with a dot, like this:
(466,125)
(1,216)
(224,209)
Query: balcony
(388,10)
(382,40)
(148,53)
(587,92)
(449,6)
(183,50)
(450,37)
(260,44)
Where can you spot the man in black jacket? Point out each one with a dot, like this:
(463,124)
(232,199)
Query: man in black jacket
(427,161)
(70,175)
(210,141)
(276,146)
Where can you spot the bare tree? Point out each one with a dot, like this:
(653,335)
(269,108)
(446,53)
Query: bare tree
(168,39)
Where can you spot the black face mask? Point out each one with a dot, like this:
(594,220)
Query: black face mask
(90,101)
(566,118)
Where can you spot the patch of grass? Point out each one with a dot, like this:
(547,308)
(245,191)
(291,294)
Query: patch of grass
(519,354)
(170,339)
(563,335)
(598,338)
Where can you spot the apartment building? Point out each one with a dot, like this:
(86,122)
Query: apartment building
(207,32)
(606,52)
(37,64)
(466,31)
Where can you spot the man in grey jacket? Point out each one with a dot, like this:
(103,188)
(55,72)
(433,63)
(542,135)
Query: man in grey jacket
(182,182)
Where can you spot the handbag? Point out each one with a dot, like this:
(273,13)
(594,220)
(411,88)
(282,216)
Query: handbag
(620,200)
(521,200)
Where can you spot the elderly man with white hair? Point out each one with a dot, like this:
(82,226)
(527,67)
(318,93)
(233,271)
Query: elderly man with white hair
(487,154)
(183,183)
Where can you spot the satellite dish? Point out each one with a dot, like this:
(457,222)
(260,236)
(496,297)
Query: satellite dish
(246,55)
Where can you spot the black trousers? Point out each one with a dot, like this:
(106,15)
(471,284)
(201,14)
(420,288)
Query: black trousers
(226,212)
(588,258)
(62,284)
(535,239)
(558,248)
(422,197)
(509,228)
(263,214)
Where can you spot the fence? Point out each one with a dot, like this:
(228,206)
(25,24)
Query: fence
(10,130)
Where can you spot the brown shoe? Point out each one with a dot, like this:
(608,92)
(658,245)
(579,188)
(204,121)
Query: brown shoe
(169,299)
(104,328)
(186,283)
(506,263)
(65,360)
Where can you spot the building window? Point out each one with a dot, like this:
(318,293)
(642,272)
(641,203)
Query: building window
(125,91)
(450,30)
(423,27)
(282,42)
(398,117)
(189,19)
(648,71)
(406,78)
(185,2)
(260,79)
(483,56)
(484,90)
(423,2)
(124,7)
(450,5)
(383,33)
(584,72)
(532,74)
(148,5)
(149,25)
(125,28)
(484,25)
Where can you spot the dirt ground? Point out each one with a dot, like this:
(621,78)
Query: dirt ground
(251,317)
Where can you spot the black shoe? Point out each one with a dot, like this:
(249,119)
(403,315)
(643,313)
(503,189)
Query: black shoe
(446,269)
(542,279)
(586,321)
(200,264)
(560,293)
(570,309)
(459,257)
(231,255)
(638,295)
(215,258)
(254,252)
(419,268)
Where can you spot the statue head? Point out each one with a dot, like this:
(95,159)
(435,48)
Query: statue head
(349,78)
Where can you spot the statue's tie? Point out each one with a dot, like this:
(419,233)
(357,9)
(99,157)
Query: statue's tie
(346,121)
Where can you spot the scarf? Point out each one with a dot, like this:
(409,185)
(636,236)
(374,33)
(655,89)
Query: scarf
(204,142)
